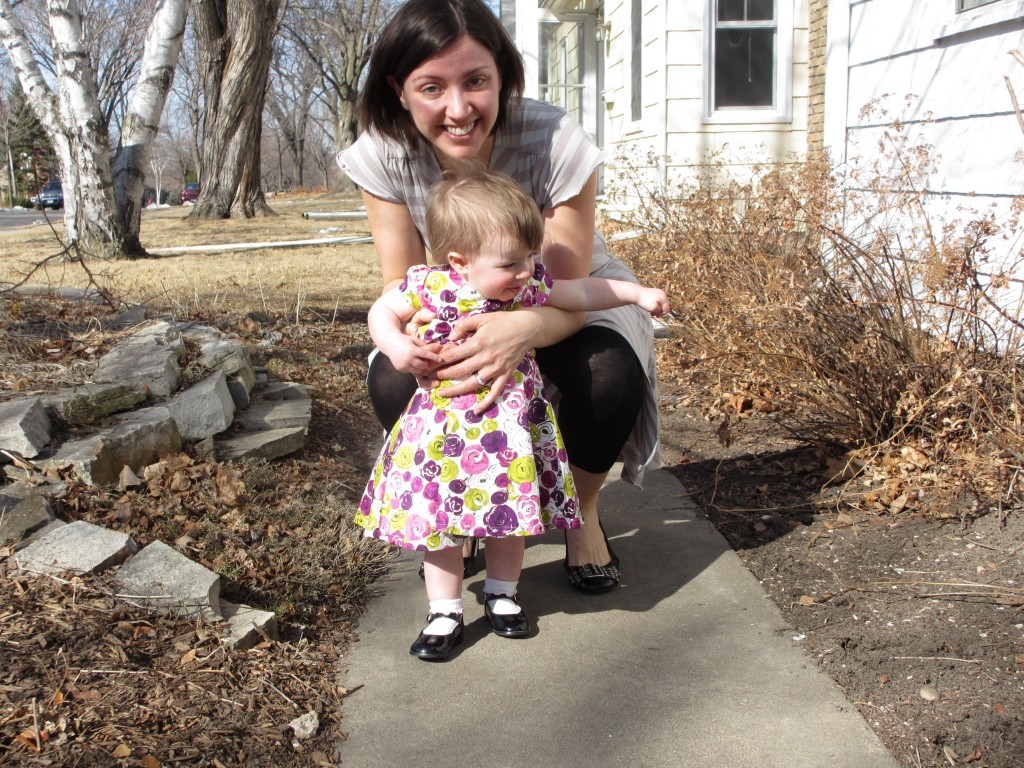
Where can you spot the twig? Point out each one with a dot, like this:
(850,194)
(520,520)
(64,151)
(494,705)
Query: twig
(35,726)
(282,695)
(218,698)
(937,658)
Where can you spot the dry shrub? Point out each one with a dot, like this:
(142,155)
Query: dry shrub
(851,316)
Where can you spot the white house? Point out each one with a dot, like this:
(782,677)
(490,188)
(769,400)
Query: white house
(774,80)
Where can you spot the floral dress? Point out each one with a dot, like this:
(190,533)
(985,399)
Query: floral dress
(445,473)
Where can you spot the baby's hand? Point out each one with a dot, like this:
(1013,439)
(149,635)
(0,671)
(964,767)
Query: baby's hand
(412,355)
(654,300)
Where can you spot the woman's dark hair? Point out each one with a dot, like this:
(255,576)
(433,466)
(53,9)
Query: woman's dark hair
(421,29)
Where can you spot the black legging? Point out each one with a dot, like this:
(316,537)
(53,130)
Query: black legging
(595,369)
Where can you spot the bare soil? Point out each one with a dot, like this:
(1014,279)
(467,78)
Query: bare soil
(919,619)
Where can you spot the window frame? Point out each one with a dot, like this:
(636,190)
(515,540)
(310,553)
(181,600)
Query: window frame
(782,109)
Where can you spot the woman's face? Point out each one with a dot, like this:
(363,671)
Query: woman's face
(453,99)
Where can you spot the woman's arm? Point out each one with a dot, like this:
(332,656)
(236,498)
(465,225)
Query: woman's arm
(501,339)
(398,242)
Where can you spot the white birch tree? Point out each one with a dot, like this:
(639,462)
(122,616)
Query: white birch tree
(102,200)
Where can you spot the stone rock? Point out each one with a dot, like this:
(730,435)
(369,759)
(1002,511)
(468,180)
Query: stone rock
(79,547)
(204,409)
(305,726)
(135,440)
(271,444)
(241,384)
(276,414)
(162,578)
(24,426)
(21,516)
(241,633)
(284,390)
(89,403)
(147,363)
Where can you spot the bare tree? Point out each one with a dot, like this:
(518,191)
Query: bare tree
(336,36)
(291,96)
(101,204)
(235,43)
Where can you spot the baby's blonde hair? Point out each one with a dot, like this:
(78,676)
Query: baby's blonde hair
(472,205)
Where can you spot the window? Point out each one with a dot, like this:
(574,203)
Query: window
(749,60)
(966,5)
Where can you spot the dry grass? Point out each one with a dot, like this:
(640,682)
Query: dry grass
(272,280)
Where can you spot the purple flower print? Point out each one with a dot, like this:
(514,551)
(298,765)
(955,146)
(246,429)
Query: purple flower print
(473,418)
(505,457)
(558,497)
(449,313)
(453,505)
(439,416)
(441,520)
(501,480)
(454,445)
(419,456)
(406,500)
(493,442)
(448,296)
(499,497)
(457,486)
(431,491)
(500,520)
(417,484)
(443,329)
(431,470)
(537,411)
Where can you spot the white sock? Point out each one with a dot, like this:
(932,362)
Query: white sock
(504,590)
(443,625)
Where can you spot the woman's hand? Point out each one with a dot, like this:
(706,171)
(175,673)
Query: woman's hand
(497,346)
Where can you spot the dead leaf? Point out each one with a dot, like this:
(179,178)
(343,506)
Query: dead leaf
(150,762)
(85,695)
(188,658)
(122,750)
(807,600)
(975,755)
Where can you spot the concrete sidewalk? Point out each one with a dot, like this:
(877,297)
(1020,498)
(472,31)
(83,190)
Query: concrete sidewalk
(687,664)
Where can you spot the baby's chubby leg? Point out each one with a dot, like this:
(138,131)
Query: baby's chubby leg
(501,587)
(442,573)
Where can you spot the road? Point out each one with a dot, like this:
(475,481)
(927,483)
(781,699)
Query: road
(18,218)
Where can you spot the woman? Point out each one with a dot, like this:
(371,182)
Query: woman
(444,84)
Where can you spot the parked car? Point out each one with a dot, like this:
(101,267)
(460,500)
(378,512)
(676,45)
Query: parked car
(190,192)
(50,196)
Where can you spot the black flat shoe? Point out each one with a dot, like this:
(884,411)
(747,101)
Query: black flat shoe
(506,625)
(590,578)
(438,647)
(469,563)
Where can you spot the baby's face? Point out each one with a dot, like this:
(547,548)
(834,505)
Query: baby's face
(500,269)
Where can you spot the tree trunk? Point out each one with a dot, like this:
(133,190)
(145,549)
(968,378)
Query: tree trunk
(163,43)
(235,42)
(74,124)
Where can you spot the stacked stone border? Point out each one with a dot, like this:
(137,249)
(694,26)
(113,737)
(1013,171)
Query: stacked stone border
(138,407)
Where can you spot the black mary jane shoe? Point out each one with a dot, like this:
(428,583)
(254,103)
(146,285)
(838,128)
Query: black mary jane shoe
(438,647)
(590,578)
(506,625)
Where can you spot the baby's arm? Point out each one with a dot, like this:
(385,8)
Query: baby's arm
(591,293)
(386,320)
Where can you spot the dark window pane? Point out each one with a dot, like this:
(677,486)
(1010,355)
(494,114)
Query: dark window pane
(744,68)
(966,5)
(760,10)
(731,10)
